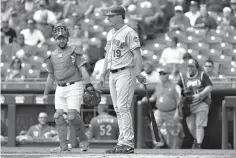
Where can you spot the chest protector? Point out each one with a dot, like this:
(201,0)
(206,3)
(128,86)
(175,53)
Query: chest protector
(64,65)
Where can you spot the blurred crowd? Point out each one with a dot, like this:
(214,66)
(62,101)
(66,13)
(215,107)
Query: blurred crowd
(203,28)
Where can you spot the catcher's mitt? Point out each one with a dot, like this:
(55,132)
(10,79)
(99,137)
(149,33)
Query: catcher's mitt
(92,97)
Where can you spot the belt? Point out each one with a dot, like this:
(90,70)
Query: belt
(65,84)
(117,70)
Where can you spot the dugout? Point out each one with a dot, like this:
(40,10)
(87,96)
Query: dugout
(23,111)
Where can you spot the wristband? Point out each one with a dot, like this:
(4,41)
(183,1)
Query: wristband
(88,85)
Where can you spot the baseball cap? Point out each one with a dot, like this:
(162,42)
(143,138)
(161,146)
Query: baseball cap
(226,10)
(178,8)
(165,69)
(43,114)
(31,21)
(187,56)
(115,10)
(193,3)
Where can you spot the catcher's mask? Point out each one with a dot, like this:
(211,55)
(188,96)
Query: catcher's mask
(60,30)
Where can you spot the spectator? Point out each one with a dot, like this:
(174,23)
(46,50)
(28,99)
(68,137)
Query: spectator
(193,13)
(185,58)
(168,11)
(30,5)
(166,98)
(5,12)
(22,50)
(39,131)
(149,16)
(151,75)
(5,55)
(216,6)
(227,22)
(103,126)
(172,54)
(179,21)
(205,21)
(33,36)
(15,72)
(233,6)
(200,86)
(97,71)
(82,7)
(56,8)
(209,68)
(43,15)
(10,34)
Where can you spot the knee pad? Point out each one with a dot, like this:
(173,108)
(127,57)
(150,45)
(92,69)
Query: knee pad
(59,117)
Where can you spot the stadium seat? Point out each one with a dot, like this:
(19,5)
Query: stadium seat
(182,45)
(87,23)
(231,33)
(230,39)
(191,39)
(221,59)
(200,34)
(199,46)
(202,58)
(225,69)
(147,53)
(4,68)
(219,33)
(193,52)
(213,39)
(212,52)
(33,74)
(157,47)
(222,46)
(161,38)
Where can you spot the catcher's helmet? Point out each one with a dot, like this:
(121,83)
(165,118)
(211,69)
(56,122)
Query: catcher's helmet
(60,30)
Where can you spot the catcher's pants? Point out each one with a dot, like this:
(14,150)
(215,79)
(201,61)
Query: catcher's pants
(69,97)
(122,86)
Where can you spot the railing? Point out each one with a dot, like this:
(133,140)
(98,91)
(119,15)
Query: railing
(228,103)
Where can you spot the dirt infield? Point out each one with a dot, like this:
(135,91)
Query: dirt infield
(41,152)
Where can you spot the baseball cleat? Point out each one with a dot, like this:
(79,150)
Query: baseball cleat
(194,146)
(113,150)
(159,145)
(61,149)
(125,149)
(84,145)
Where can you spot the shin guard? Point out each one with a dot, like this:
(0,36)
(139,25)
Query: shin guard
(62,128)
(77,123)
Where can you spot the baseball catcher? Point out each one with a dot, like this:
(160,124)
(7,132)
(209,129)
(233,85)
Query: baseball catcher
(65,66)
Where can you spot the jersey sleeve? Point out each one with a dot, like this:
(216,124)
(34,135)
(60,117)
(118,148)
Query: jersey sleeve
(133,40)
(49,66)
(79,55)
(206,80)
(90,132)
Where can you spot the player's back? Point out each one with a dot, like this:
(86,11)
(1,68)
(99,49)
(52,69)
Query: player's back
(105,127)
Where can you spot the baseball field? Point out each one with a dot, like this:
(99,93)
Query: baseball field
(42,152)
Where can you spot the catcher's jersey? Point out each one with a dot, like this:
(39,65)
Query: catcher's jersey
(104,127)
(119,47)
(64,63)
